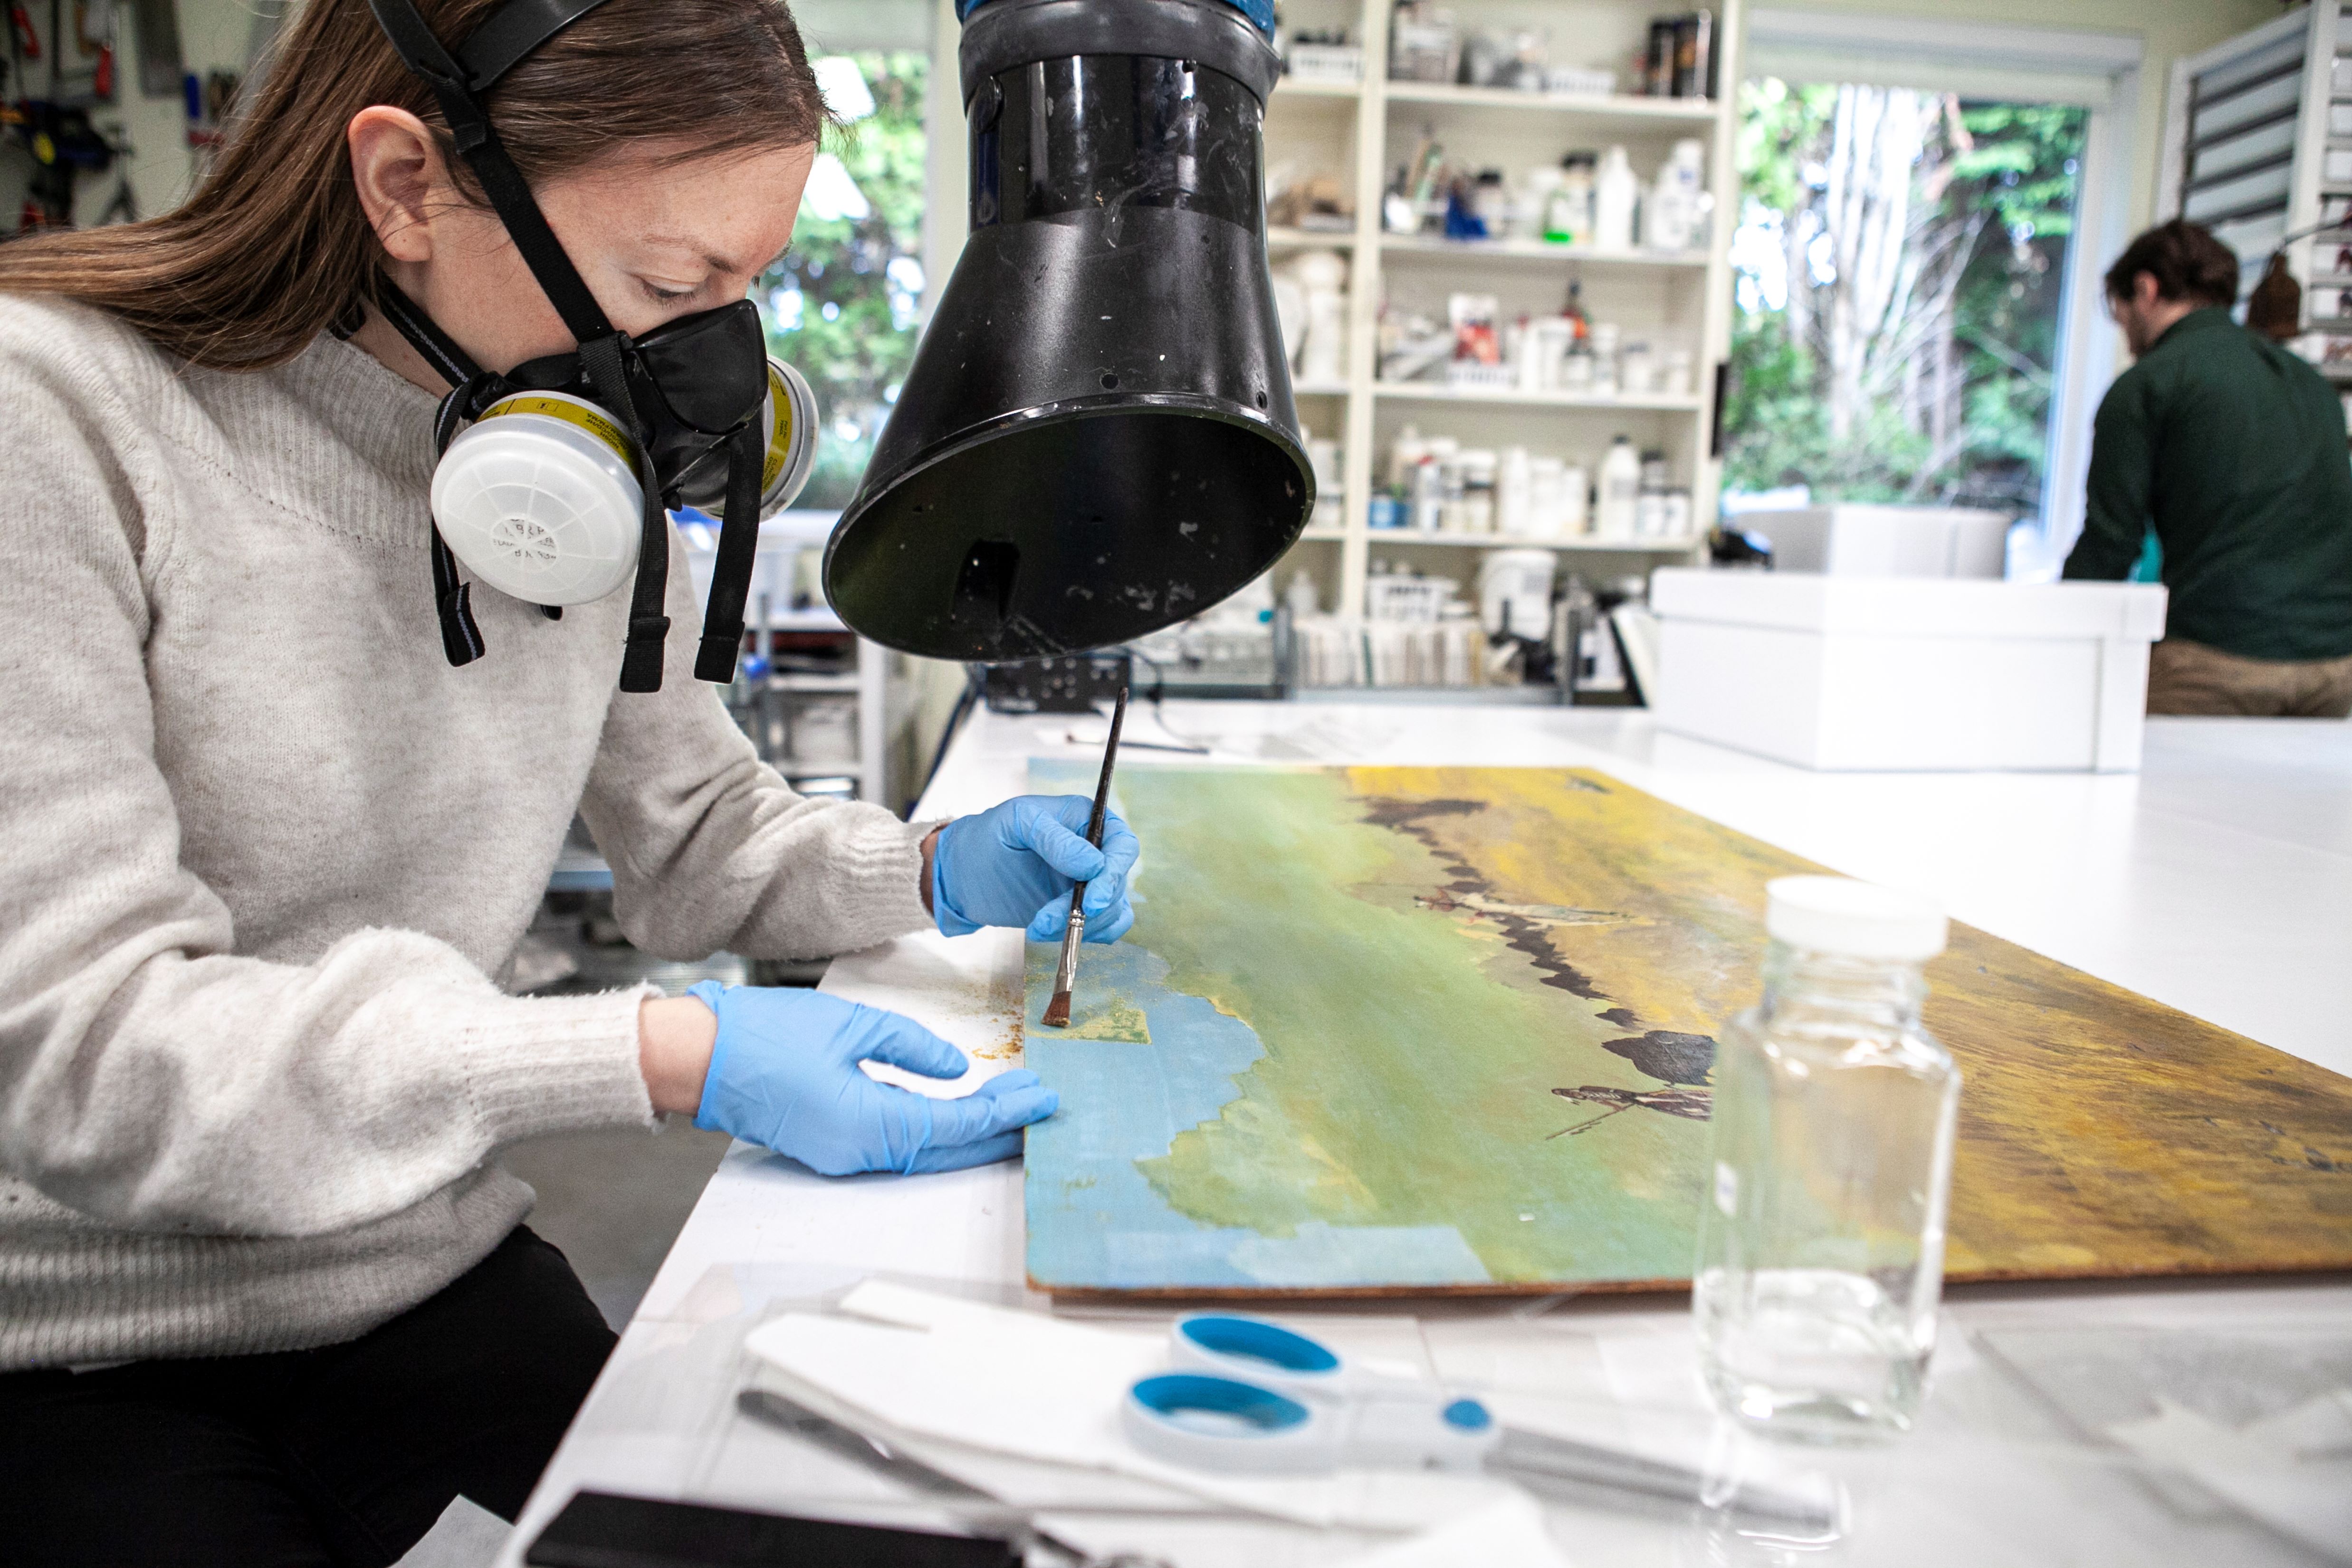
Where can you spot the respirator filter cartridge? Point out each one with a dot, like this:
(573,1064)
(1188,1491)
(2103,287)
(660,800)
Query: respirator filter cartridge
(539,499)
(788,421)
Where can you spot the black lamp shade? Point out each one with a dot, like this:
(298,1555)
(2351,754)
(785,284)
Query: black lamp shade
(1096,438)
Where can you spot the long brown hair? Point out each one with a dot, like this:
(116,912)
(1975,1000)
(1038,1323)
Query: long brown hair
(274,245)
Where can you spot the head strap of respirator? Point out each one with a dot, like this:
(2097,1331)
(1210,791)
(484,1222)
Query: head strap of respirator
(689,396)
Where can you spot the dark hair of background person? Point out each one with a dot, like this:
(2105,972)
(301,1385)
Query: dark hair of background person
(274,245)
(2185,259)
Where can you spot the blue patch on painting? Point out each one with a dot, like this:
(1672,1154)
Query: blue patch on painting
(1102,1226)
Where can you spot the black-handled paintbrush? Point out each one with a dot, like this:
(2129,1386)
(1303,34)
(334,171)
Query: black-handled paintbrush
(1057,1011)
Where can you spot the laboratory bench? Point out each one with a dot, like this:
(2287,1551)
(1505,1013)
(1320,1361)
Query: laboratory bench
(2217,880)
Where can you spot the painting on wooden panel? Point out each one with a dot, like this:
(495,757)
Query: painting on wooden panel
(1417,1029)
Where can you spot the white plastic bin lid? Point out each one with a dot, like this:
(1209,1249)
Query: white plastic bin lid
(1855,920)
(1910,606)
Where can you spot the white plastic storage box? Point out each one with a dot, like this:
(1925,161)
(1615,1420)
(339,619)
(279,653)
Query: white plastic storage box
(1858,540)
(1907,674)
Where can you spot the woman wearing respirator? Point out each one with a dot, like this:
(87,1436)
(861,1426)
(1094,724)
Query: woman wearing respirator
(334,575)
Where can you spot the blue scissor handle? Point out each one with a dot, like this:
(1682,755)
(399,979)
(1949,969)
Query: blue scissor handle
(1248,1395)
(1254,1347)
(1223,1424)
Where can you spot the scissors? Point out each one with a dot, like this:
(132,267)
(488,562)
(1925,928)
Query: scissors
(1246,1396)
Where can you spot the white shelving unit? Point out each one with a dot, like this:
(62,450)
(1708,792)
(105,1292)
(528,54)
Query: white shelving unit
(1360,131)
(782,539)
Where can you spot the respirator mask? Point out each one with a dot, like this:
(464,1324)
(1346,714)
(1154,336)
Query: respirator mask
(557,490)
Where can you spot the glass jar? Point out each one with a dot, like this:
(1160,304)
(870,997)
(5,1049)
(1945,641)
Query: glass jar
(1821,1230)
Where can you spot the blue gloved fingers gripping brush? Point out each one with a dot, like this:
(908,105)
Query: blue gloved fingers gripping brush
(1057,1011)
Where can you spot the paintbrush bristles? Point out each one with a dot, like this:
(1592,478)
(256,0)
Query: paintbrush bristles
(1065,973)
(1066,977)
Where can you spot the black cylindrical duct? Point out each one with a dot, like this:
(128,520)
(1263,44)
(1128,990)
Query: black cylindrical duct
(1097,439)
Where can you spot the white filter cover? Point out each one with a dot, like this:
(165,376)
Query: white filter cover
(539,510)
(1855,920)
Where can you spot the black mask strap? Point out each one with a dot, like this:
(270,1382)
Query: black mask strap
(739,543)
(641,659)
(471,390)
(509,35)
(458,82)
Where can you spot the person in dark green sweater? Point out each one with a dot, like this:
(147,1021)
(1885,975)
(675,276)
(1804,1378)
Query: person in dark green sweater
(2233,450)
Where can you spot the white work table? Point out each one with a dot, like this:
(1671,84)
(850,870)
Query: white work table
(2218,880)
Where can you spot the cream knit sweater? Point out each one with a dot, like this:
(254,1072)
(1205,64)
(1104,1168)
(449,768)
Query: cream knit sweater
(262,852)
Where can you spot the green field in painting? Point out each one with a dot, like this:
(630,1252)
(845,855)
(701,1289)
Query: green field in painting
(1410,1053)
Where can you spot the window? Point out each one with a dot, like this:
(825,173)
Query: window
(844,303)
(1966,181)
(1900,260)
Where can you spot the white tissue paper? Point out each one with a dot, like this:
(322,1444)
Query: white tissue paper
(904,1363)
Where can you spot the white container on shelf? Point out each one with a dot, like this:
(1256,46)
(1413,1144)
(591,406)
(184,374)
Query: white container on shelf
(1327,62)
(1575,502)
(1514,492)
(1615,195)
(1907,674)
(1670,217)
(1515,593)
(1323,277)
(1546,497)
(1858,540)
(1621,492)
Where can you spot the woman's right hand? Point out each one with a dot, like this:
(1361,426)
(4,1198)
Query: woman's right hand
(780,1068)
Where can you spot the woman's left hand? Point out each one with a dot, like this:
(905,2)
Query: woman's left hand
(1014,865)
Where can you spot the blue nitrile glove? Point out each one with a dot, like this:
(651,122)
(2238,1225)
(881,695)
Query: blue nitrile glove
(783,1075)
(1014,865)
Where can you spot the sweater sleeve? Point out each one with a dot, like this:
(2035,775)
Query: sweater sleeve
(710,850)
(150,1076)
(2121,477)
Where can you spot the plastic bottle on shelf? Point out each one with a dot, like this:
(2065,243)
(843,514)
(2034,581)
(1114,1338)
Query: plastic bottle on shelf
(1429,482)
(1546,500)
(1575,502)
(1604,338)
(1650,521)
(1671,218)
(1404,453)
(1576,369)
(1323,274)
(1616,196)
(1568,219)
(1678,514)
(1480,471)
(1675,380)
(1490,198)
(1574,372)
(1452,485)
(1301,597)
(1621,490)
(1573,312)
(1655,474)
(1514,492)
(1532,209)
(1637,369)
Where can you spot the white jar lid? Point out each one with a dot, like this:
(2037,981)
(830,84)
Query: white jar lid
(1854,919)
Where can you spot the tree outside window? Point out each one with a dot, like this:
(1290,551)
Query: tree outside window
(1900,269)
(843,303)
